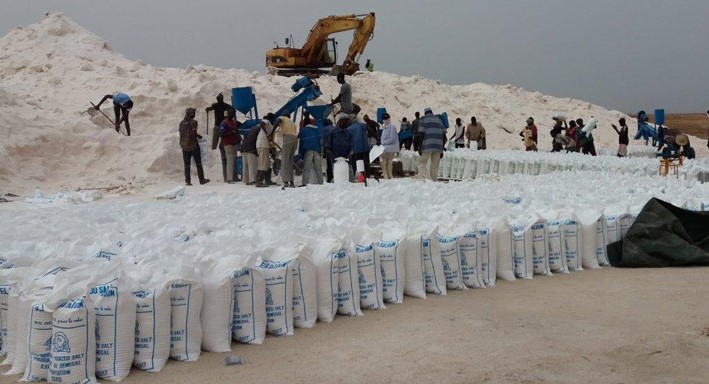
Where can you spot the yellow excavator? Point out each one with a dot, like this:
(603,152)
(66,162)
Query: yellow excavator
(320,51)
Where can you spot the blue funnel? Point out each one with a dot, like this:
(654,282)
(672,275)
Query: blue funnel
(243,100)
(319,112)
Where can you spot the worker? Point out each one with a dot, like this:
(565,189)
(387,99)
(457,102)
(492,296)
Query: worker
(249,155)
(229,132)
(570,144)
(390,141)
(373,133)
(310,149)
(432,145)
(263,147)
(369,65)
(338,143)
(219,108)
(418,133)
(557,130)
(359,143)
(306,119)
(707,137)
(623,139)
(476,132)
(290,144)
(122,104)
(585,140)
(406,127)
(190,147)
(528,136)
(345,97)
(459,135)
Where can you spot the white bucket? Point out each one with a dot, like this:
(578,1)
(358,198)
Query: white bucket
(341,171)
(360,166)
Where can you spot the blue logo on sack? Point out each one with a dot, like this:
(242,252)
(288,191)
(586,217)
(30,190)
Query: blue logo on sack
(60,343)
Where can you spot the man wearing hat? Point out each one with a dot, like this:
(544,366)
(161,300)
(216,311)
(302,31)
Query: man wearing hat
(122,104)
(431,146)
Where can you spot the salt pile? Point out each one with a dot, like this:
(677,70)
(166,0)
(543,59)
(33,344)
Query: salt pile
(52,69)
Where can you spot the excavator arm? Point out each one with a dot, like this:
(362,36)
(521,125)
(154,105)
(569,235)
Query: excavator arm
(311,55)
(362,24)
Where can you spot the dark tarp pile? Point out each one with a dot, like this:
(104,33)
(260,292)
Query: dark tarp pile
(663,236)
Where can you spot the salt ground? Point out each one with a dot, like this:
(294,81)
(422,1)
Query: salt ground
(51,70)
(605,326)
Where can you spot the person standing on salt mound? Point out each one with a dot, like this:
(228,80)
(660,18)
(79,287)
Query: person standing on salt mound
(122,104)
(345,97)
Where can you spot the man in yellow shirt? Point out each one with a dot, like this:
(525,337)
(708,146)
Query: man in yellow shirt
(290,143)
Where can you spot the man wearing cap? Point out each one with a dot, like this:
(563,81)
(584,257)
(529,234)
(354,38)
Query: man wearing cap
(190,147)
(431,146)
(122,104)
(219,108)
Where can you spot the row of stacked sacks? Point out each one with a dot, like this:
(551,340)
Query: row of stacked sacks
(76,324)
(465,164)
(142,281)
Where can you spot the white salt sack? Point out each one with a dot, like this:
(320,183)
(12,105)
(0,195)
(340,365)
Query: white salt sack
(574,244)
(522,251)
(348,285)
(327,267)
(391,256)
(556,249)
(185,327)
(435,276)
(371,289)
(73,356)
(23,309)
(450,257)
(305,299)
(8,322)
(588,219)
(115,312)
(40,344)
(216,316)
(249,321)
(470,263)
(487,256)
(601,241)
(152,329)
(279,297)
(539,248)
(505,254)
(415,285)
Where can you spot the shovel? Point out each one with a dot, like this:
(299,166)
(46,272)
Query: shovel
(92,112)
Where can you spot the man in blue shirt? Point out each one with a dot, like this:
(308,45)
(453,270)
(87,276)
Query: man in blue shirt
(360,146)
(122,104)
(311,148)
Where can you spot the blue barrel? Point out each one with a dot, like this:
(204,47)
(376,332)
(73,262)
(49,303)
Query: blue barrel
(659,116)
(380,112)
(444,119)
(243,99)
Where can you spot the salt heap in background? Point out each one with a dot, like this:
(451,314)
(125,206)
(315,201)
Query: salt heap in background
(52,69)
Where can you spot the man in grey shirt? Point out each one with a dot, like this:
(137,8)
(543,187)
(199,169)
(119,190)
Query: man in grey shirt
(345,97)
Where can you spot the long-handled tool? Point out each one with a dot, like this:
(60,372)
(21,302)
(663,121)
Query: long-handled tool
(106,116)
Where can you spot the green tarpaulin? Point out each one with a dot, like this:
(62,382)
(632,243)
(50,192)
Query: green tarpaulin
(663,236)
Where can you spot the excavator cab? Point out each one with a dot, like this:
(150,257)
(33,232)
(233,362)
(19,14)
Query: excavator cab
(330,54)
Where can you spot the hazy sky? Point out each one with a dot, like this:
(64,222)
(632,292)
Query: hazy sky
(624,55)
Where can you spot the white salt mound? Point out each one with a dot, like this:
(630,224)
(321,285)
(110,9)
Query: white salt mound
(52,69)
